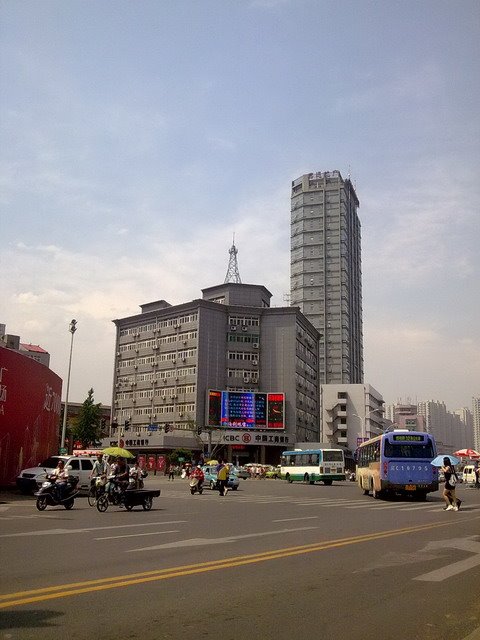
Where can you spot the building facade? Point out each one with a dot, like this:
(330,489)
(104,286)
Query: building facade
(325,271)
(451,430)
(476,423)
(405,416)
(351,413)
(168,358)
(33,351)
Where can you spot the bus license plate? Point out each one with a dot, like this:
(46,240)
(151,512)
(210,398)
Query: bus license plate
(410,487)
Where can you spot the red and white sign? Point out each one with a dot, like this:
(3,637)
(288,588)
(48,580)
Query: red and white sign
(246,437)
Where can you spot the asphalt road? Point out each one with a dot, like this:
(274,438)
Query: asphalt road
(269,561)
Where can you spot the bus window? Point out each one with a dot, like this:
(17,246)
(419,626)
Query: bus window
(332,456)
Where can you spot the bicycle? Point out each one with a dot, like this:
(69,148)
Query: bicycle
(97,489)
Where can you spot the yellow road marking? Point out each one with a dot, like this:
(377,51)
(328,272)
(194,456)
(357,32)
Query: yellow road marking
(101,584)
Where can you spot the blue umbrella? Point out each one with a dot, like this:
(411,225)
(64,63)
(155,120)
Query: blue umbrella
(438,461)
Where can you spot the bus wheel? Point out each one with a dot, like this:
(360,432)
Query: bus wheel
(288,478)
(328,483)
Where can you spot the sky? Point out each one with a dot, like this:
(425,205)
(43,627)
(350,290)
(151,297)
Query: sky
(136,137)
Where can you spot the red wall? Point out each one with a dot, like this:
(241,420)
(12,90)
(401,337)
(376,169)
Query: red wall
(30,403)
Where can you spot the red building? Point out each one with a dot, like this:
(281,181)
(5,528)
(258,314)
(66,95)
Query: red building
(30,404)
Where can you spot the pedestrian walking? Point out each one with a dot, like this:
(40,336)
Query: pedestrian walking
(222,478)
(452,503)
(171,473)
(477,476)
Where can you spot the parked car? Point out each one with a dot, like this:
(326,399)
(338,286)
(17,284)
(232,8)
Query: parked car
(210,473)
(469,473)
(30,480)
(241,473)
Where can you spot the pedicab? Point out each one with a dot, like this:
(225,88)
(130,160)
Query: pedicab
(128,497)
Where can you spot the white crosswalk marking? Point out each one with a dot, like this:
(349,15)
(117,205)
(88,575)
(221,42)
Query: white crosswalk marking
(362,502)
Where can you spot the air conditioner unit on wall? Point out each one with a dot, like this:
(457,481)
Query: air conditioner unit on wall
(255,345)
(233,327)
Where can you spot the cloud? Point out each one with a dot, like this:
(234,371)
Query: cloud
(44,286)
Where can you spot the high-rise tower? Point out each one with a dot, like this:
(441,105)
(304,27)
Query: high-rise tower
(325,270)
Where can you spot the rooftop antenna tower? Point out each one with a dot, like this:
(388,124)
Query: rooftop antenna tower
(233,274)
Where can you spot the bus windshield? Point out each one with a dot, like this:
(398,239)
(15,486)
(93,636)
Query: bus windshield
(409,450)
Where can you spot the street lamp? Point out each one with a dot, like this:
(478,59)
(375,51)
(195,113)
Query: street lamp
(367,415)
(364,420)
(72,328)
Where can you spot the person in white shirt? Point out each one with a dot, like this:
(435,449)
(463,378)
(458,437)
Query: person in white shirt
(100,469)
(61,478)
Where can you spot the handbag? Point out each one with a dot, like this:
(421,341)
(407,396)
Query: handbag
(453,480)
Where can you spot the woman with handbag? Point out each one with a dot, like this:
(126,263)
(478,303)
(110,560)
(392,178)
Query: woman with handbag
(452,502)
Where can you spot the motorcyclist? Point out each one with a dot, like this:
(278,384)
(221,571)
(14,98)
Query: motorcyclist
(198,475)
(60,477)
(135,477)
(118,479)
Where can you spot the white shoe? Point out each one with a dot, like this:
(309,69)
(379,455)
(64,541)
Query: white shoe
(449,508)
(455,508)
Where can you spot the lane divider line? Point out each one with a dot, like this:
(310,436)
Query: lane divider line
(114,582)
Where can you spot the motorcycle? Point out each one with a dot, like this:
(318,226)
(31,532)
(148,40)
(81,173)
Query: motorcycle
(196,486)
(49,495)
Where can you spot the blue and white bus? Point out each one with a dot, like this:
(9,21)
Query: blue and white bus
(313,465)
(398,462)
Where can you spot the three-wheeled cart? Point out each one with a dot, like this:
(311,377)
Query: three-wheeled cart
(131,498)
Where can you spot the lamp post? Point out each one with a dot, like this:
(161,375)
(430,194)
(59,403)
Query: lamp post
(364,420)
(72,328)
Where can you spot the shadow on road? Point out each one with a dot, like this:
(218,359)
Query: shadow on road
(28,619)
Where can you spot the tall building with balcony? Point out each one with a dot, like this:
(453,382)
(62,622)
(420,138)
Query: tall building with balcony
(168,358)
(325,272)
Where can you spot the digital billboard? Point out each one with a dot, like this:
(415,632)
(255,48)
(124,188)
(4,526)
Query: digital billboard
(246,410)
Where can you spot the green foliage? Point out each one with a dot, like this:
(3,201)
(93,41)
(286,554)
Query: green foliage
(174,456)
(88,425)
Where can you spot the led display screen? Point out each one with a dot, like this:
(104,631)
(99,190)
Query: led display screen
(407,438)
(246,410)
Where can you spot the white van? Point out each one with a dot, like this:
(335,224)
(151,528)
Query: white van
(30,480)
(469,473)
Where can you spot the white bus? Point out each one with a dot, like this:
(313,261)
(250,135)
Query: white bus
(313,465)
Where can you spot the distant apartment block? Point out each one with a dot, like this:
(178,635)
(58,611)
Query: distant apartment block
(476,423)
(452,431)
(405,416)
(326,273)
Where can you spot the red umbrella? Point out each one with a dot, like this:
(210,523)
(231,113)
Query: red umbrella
(467,453)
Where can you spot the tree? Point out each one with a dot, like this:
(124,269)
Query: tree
(88,425)
(173,456)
